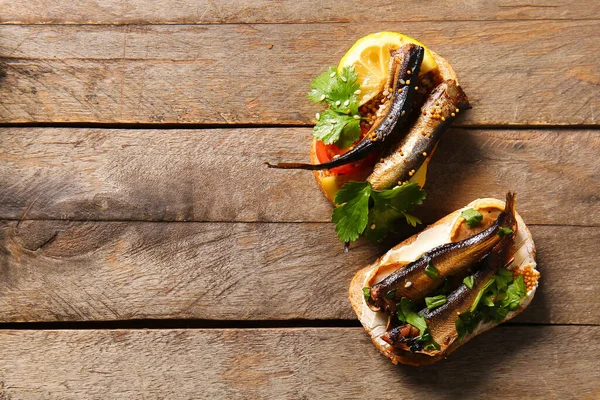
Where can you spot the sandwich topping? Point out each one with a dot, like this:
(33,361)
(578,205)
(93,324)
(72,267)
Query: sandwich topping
(484,290)
(430,271)
(404,63)
(388,105)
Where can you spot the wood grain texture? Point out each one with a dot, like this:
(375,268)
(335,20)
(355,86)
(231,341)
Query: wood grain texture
(509,362)
(219,175)
(265,11)
(87,271)
(515,73)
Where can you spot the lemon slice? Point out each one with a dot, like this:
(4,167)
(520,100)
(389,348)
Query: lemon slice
(370,57)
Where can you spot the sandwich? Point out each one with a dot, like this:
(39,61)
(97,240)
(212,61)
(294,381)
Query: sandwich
(389,101)
(461,276)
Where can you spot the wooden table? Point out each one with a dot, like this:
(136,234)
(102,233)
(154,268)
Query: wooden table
(146,252)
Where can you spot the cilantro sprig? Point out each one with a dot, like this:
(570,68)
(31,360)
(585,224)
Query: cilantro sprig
(472,217)
(435,301)
(405,311)
(504,231)
(499,296)
(361,209)
(340,123)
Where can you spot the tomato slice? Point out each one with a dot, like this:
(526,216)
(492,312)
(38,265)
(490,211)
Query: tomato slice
(326,153)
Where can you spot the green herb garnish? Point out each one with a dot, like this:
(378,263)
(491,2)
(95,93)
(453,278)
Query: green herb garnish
(436,301)
(472,217)
(428,342)
(469,281)
(503,278)
(406,313)
(466,323)
(504,231)
(360,209)
(352,215)
(431,271)
(340,123)
(481,293)
(500,295)
(367,293)
(488,301)
(515,291)
(391,294)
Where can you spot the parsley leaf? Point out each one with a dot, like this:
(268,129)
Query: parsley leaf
(431,271)
(333,127)
(342,96)
(411,219)
(514,292)
(321,85)
(340,123)
(436,301)
(466,323)
(352,215)
(406,313)
(504,231)
(367,293)
(428,341)
(469,281)
(488,300)
(481,293)
(500,295)
(388,208)
(472,217)
(402,198)
(498,314)
(381,221)
(503,278)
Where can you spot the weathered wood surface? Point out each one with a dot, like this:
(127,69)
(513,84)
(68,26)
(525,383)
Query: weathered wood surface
(508,362)
(219,175)
(265,11)
(516,73)
(85,271)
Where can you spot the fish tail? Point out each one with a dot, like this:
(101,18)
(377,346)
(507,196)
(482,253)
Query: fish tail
(510,210)
(511,200)
(285,165)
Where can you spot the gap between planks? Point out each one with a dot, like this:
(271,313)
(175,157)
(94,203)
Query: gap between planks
(324,22)
(195,324)
(141,221)
(209,126)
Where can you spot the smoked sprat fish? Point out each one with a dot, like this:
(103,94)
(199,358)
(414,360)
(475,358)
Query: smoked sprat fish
(402,161)
(405,63)
(423,276)
(441,321)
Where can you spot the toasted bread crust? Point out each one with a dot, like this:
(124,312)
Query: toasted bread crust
(416,359)
(446,73)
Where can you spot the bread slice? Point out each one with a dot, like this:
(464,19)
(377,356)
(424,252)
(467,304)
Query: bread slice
(441,232)
(330,184)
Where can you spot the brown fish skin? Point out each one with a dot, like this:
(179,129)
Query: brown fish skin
(405,63)
(400,336)
(448,259)
(437,114)
(441,321)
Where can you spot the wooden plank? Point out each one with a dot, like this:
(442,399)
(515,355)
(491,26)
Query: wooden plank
(219,175)
(265,11)
(86,271)
(509,362)
(516,73)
